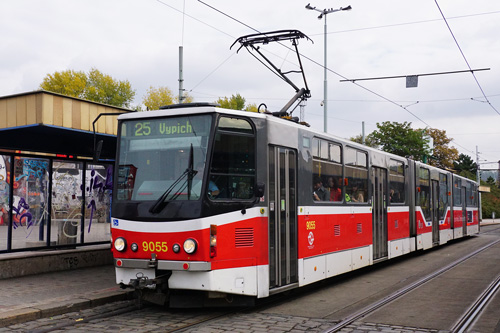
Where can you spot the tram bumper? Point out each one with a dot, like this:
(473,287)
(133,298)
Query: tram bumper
(141,273)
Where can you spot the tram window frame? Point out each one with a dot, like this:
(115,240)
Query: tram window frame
(457,192)
(356,173)
(469,193)
(397,184)
(234,183)
(424,187)
(444,201)
(327,168)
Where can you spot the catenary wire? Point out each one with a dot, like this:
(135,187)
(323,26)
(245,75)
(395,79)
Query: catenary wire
(466,61)
(318,64)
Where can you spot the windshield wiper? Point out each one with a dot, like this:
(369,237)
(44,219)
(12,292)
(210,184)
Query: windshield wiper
(189,172)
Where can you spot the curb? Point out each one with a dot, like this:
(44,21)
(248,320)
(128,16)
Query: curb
(58,307)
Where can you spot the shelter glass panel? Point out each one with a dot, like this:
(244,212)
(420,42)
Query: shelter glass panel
(4,200)
(98,186)
(67,202)
(30,206)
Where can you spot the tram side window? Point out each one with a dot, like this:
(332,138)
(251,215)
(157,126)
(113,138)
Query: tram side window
(424,192)
(356,172)
(457,193)
(327,171)
(469,190)
(443,195)
(232,173)
(396,182)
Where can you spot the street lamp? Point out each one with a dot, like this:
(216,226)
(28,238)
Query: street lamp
(324,12)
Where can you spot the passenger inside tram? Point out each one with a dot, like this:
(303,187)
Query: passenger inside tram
(357,194)
(319,193)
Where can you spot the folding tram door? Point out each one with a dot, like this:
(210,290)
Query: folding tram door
(465,218)
(379,185)
(283,252)
(435,212)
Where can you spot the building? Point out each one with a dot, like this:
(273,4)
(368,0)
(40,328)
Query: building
(52,192)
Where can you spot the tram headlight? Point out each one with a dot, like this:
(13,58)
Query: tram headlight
(134,247)
(176,248)
(190,246)
(120,244)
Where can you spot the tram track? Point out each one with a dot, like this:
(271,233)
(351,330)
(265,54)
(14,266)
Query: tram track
(474,310)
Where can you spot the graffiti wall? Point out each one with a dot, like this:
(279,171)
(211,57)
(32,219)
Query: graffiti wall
(54,202)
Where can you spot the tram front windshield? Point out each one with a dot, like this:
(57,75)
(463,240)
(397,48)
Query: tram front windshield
(162,157)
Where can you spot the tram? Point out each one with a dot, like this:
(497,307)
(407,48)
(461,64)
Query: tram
(219,207)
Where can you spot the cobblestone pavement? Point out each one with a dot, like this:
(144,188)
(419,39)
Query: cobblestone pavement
(124,316)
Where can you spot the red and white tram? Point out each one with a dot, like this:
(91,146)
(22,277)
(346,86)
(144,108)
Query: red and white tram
(213,206)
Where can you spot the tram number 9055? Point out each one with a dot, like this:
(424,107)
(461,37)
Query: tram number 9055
(310,225)
(154,246)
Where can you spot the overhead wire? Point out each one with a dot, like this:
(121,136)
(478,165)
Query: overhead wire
(404,23)
(465,58)
(342,76)
(332,71)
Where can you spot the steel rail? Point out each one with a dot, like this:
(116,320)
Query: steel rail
(476,308)
(379,304)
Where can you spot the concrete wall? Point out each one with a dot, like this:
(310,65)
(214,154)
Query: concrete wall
(29,263)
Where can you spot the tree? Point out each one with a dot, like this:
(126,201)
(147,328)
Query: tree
(369,140)
(94,86)
(69,83)
(443,155)
(465,164)
(103,88)
(236,102)
(400,139)
(156,97)
(161,96)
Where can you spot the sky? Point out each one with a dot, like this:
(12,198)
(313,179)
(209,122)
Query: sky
(139,40)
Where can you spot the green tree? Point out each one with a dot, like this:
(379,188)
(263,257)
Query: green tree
(443,155)
(236,102)
(369,140)
(103,88)
(94,86)
(464,165)
(490,202)
(400,139)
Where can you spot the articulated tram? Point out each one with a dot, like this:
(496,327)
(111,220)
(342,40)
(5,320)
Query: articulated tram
(217,207)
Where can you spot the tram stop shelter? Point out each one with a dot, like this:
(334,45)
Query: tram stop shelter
(52,192)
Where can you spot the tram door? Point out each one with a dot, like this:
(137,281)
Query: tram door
(464,210)
(379,181)
(435,212)
(283,252)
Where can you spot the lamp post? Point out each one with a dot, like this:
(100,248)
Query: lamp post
(324,12)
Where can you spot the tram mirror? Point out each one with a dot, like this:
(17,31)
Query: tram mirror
(97,152)
(260,189)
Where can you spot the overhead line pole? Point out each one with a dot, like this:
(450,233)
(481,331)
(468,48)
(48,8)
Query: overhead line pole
(324,12)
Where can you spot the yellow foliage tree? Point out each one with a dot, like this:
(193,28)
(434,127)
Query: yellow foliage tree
(94,86)
(156,97)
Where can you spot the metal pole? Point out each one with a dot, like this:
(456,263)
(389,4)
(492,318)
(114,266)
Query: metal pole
(181,79)
(363,132)
(325,87)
